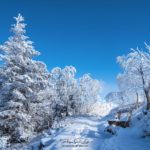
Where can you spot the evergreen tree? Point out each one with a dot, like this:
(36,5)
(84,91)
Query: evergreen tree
(22,82)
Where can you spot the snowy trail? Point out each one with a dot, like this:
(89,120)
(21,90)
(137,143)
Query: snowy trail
(87,133)
(81,133)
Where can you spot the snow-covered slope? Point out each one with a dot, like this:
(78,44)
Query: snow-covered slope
(131,138)
(87,133)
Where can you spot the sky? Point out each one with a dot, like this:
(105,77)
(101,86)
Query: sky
(88,34)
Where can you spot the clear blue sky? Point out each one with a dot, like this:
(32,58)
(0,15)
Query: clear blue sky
(88,34)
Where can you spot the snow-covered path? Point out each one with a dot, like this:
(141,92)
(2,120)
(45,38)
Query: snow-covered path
(81,133)
(87,133)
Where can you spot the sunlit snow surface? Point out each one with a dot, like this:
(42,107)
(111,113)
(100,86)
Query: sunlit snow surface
(81,133)
(87,133)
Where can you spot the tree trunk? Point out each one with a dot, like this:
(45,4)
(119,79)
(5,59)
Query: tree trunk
(147,99)
(137,99)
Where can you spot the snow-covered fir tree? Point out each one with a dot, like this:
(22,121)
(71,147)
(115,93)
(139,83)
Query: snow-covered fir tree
(23,82)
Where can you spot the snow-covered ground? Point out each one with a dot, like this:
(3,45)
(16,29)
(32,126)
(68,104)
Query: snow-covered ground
(87,133)
(80,133)
(127,139)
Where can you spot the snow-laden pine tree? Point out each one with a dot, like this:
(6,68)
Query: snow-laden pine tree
(25,88)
